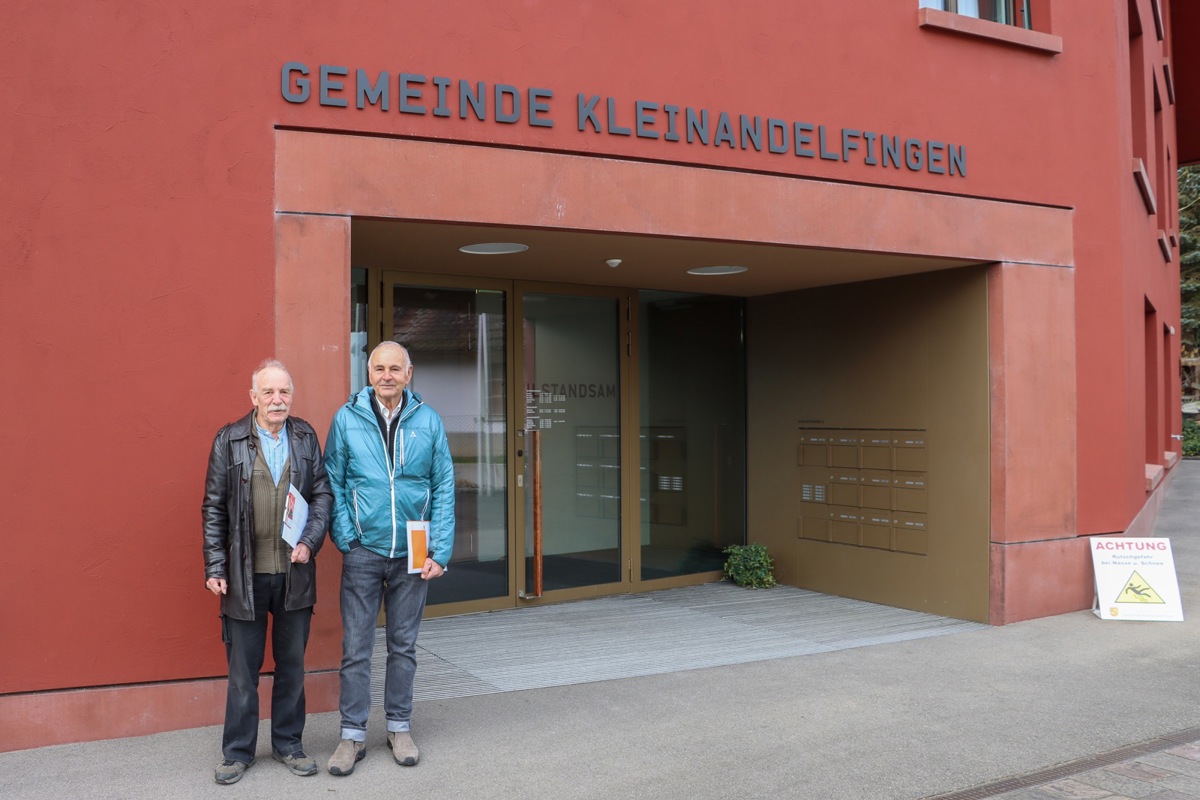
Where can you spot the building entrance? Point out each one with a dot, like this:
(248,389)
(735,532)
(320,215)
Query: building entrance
(570,445)
(597,433)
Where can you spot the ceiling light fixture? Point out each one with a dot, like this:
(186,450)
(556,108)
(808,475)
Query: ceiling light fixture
(493,248)
(731,270)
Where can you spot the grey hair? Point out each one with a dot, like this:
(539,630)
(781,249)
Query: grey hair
(268,363)
(390,343)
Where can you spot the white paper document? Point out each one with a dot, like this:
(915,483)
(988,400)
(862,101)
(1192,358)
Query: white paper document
(295,516)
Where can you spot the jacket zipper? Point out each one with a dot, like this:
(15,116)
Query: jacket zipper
(392,473)
(357,524)
(398,461)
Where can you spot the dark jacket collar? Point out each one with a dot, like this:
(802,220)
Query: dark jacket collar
(244,428)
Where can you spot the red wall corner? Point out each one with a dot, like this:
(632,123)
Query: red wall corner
(1039,579)
(40,719)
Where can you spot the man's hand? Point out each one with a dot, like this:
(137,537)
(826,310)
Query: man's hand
(216,585)
(431,570)
(301,554)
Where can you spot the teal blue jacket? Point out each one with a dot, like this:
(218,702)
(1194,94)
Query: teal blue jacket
(374,498)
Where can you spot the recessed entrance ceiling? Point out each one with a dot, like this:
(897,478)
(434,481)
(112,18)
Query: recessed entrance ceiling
(647,262)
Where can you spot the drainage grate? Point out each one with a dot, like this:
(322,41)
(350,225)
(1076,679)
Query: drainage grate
(1066,770)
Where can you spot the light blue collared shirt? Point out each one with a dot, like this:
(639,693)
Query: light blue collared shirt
(275,451)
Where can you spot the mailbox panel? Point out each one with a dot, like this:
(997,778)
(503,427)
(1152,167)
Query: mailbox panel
(843,487)
(876,488)
(813,455)
(814,521)
(910,450)
(843,456)
(876,452)
(877,536)
(909,492)
(910,533)
(843,526)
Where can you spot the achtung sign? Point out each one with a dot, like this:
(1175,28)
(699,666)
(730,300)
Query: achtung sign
(1135,580)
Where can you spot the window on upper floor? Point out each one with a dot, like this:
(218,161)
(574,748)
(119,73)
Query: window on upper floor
(1007,12)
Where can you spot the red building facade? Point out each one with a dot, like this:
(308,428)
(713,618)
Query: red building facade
(952,355)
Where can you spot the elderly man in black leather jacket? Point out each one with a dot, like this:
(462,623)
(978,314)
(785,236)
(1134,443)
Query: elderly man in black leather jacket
(255,462)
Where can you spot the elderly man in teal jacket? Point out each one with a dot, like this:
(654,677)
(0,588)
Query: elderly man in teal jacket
(392,477)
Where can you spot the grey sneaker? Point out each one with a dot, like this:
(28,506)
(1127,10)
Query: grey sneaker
(298,763)
(404,749)
(348,753)
(230,771)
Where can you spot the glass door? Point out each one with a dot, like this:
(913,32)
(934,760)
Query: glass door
(456,339)
(692,412)
(571,453)
(598,435)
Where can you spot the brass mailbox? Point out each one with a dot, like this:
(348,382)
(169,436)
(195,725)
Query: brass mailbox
(813,455)
(876,450)
(910,450)
(846,438)
(813,448)
(843,448)
(843,524)
(843,487)
(910,533)
(876,530)
(814,521)
(909,492)
(876,488)
(910,439)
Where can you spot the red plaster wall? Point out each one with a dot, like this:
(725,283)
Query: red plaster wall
(1034,579)
(324,174)
(314,341)
(1117,275)
(39,719)
(137,287)
(1032,340)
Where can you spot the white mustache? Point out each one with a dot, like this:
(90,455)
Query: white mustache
(277,408)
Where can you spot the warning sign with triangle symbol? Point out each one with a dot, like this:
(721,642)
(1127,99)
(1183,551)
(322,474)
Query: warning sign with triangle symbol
(1138,591)
(1135,579)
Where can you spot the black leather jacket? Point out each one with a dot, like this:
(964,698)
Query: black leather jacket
(228,513)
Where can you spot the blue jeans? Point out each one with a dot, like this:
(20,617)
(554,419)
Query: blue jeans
(245,644)
(368,578)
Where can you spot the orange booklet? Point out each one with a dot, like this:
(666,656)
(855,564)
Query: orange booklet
(418,544)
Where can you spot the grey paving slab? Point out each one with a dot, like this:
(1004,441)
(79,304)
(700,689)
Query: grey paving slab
(1114,783)
(635,635)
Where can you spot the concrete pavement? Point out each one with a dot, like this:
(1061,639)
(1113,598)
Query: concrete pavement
(1064,707)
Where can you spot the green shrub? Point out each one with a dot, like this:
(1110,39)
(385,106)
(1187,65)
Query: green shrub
(1191,437)
(749,565)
